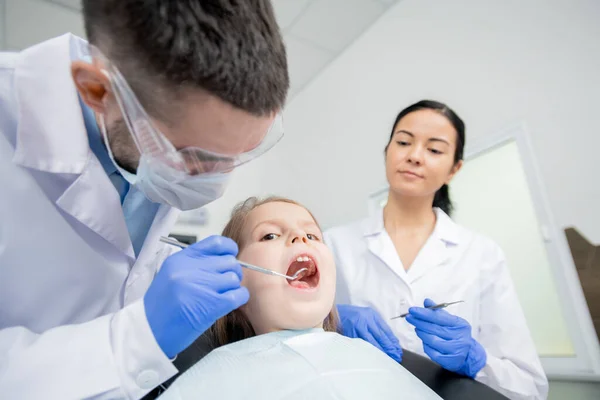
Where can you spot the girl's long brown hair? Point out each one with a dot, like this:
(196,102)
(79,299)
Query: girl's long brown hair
(235,326)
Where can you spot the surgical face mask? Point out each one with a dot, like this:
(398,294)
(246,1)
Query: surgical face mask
(163,184)
(185,178)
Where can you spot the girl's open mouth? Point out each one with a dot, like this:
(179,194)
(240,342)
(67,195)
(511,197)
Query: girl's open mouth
(308,279)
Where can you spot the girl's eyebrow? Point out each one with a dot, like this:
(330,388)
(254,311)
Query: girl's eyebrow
(277,222)
(281,222)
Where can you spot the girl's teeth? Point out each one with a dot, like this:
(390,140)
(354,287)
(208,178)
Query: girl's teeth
(303,259)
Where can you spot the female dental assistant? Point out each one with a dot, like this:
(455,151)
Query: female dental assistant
(412,253)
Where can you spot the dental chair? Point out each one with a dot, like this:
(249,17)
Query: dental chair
(448,385)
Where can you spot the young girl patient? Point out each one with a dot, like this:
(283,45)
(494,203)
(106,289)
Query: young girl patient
(283,343)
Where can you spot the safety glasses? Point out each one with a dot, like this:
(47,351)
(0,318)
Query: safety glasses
(154,145)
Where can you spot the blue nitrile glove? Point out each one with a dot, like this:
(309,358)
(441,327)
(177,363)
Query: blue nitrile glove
(365,323)
(194,287)
(447,340)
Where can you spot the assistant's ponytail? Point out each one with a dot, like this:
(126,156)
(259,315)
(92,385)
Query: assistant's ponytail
(442,200)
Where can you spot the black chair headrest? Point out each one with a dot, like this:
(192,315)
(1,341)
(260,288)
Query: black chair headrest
(448,385)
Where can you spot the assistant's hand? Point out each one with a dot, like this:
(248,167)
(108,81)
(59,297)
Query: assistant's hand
(447,340)
(194,287)
(365,323)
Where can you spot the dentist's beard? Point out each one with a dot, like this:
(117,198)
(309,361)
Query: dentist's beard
(123,147)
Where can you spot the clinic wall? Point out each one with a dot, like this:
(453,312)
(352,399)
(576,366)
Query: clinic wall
(2,25)
(564,390)
(25,23)
(494,62)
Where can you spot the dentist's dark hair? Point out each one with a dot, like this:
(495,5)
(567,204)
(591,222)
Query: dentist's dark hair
(233,50)
(442,196)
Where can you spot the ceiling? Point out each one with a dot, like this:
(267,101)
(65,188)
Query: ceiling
(315,31)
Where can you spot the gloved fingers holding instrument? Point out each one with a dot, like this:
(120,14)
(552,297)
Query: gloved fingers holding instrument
(194,287)
(447,339)
(365,323)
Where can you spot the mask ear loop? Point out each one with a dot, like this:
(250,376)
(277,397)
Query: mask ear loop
(103,130)
(102,123)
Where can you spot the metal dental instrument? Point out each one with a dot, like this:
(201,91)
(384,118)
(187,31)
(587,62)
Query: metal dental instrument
(177,243)
(436,307)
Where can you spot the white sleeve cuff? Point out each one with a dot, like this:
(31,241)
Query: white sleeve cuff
(483,373)
(142,364)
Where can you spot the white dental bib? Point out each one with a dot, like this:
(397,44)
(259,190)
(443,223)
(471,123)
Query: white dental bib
(295,365)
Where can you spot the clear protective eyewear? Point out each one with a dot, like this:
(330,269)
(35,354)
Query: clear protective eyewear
(152,143)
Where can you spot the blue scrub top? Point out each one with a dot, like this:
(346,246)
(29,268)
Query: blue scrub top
(139,212)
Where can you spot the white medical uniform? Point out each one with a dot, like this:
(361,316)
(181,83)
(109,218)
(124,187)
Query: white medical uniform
(298,365)
(454,264)
(72,322)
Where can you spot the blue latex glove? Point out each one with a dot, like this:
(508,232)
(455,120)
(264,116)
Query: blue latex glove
(365,323)
(447,340)
(194,287)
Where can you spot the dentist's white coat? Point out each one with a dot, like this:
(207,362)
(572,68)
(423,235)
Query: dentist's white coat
(454,264)
(72,323)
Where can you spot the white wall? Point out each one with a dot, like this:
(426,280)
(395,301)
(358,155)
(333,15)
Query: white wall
(2,24)
(564,390)
(494,62)
(28,22)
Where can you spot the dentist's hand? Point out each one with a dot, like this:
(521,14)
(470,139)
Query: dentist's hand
(194,287)
(365,323)
(447,340)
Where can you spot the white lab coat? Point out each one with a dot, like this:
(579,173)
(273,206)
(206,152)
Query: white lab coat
(454,264)
(72,322)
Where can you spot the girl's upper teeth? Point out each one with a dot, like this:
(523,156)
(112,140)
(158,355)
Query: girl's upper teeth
(303,259)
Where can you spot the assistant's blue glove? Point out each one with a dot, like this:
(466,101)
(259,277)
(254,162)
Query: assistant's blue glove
(447,340)
(194,287)
(365,323)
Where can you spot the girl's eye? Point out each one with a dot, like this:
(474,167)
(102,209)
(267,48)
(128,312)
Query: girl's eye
(269,236)
(310,236)
(435,151)
(401,143)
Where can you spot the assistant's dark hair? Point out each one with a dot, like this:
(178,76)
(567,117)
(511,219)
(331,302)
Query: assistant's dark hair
(232,49)
(442,196)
